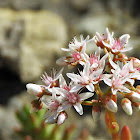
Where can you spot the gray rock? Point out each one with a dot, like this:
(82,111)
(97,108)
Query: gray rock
(30,42)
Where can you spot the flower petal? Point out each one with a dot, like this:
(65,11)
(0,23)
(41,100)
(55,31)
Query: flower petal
(90,87)
(58,74)
(76,88)
(74,77)
(78,107)
(107,81)
(124,39)
(86,95)
(64,106)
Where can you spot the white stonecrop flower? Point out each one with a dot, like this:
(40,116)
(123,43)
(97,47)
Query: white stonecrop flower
(116,83)
(73,60)
(78,46)
(85,79)
(51,81)
(52,103)
(120,44)
(72,99)
(127,71)
(126,105)
(107,40)
(34,89)
(104,40)
(95,60)
(77,53)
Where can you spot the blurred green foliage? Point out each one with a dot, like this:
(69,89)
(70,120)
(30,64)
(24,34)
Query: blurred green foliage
(34,128)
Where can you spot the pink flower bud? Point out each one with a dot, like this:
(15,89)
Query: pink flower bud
(110,104)
(126,105)
(62,117)
(35,89)
(96,111)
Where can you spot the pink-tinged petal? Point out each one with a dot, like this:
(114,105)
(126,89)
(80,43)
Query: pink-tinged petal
(90,87)
(76,88)
(102,61)
(97,53)
(106,44)
(86,95)
(124,89)
(135,76)
(126,49)
(78,107)
(96,74)
(65,49)
(104,76)
(115,66)
(61,91)
(86,69)
(124,39)
(74,77)
(131,81)
(108,81)
(98,36)
(114,91)
(58,74)
(94,65)
(64,106)
(87,38)
(61,61)
(62,81)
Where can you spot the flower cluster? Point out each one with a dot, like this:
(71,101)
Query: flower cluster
(114,68)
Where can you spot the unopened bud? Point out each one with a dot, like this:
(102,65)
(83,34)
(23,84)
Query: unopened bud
(136,106)
(96,112)
(135,96)
(110,104)
(35,89)
(126,133)
(136,62)
(126,105)
(62,117)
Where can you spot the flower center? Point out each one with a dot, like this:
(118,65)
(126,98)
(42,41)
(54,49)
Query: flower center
(116,83)
(54,105)
(72,98)
(76,56)
(116,45)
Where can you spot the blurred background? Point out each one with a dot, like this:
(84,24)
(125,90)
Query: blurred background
(32,33)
